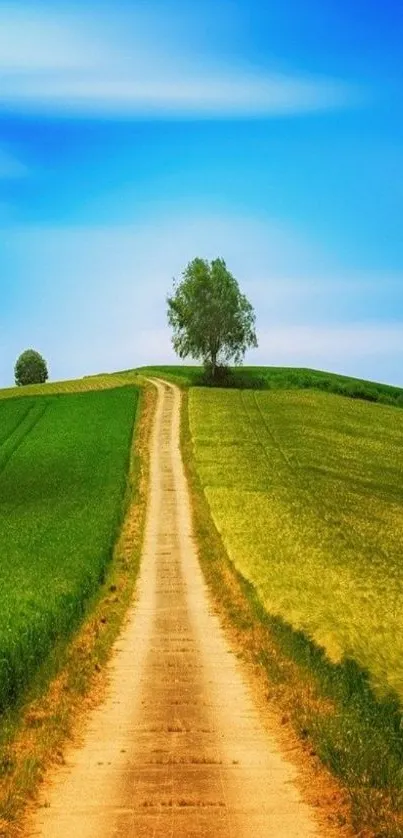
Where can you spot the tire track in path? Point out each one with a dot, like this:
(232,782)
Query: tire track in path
(178,747)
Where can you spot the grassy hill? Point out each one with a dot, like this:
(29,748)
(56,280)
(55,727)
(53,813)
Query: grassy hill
(283,378)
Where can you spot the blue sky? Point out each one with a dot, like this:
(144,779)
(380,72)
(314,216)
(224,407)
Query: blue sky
(136,136)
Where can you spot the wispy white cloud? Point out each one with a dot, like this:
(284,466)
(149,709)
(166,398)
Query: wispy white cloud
(230,95)
(74,66)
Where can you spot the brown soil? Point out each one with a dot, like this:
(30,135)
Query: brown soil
(178,748)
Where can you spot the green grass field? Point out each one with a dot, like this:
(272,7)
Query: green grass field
(63,470)
(306,489)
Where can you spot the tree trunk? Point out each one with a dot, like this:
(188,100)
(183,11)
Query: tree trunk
(213,365)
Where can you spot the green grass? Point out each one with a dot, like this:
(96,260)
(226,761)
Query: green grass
(283,378)
(63,476)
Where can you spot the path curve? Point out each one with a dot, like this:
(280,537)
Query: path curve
(177,748)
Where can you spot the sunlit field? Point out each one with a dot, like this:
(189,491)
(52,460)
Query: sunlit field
(103,381)
(63,472)
(306,489)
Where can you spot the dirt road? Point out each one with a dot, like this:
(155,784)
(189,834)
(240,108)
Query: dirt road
(178,748)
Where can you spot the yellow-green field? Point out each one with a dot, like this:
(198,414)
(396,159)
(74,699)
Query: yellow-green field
(104,381)
(306,489)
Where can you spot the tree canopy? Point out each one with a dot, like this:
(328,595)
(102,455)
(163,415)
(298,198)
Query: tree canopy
(212,320)
(30,368)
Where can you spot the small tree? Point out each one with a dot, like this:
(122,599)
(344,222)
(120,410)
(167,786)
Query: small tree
(211,320)
(30,368)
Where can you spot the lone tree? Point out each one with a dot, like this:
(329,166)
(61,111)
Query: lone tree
(211,320)
(30,368)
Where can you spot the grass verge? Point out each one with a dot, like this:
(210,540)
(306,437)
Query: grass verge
(72,679)
(330,706)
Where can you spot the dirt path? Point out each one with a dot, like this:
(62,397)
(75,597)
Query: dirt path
(177,749)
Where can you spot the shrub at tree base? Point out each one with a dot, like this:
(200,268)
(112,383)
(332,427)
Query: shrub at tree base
(30,368)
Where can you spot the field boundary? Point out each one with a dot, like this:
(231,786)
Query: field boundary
(329,707)
(104,381)
(72,680)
